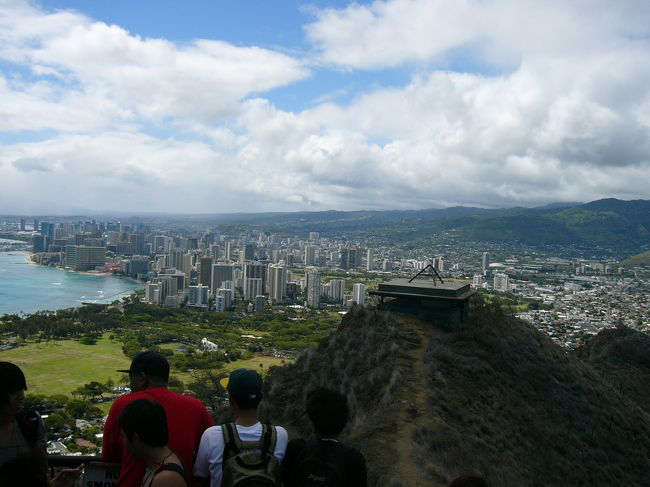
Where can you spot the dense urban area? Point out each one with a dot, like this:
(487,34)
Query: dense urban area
(223,293)
(567,295)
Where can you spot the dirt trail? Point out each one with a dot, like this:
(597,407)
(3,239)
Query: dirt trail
(413,397)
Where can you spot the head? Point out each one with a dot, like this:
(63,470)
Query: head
(144,425)
(328,411)
(12,388)
(148,369)
(245,389)
(468,481)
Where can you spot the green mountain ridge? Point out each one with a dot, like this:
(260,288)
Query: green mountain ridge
(494,397)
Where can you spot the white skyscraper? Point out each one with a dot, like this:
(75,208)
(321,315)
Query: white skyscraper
(370,259)
(252,287)
(313,289)
(277,282)
(359,293)
(501,282)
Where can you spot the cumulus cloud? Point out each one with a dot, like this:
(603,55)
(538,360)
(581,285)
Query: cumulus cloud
(157,79)
(551,103)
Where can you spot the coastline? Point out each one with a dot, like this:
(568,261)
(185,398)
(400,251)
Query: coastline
(46,293)
(29,255)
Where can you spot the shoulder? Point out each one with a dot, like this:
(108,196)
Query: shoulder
(170,477)
(211,436)
(353,456)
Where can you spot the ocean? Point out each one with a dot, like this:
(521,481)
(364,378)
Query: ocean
(27,288)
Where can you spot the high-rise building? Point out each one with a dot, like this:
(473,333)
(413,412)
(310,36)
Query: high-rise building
(198,295)
(313,289)
(187,266)
(350,258)
(205,271)
(259,303)
(370,259)
(47,229)
(387,265)
(277,282)
(83,258)
(310,255)
(439,264)
(138,265)
(252,287)
(501,282)
(249,252)
(359,293)
(337,290)
(257,270)
(226,295)
(220,273)
(36,224)
(477,280)
(230,247)
(485,262)
(314,236)
(176,259)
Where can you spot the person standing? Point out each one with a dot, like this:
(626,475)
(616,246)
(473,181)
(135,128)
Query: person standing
(223,451)
(144,424)
(325,460)
(187,417)
(20,430)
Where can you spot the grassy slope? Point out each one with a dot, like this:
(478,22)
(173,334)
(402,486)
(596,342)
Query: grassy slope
(62,366)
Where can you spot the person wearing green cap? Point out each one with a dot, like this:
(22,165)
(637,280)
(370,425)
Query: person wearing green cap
(221,443)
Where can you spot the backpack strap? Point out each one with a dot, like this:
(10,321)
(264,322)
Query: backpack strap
(232,442)
(269,439)
(233,445)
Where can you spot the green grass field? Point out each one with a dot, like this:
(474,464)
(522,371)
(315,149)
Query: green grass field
(60,367)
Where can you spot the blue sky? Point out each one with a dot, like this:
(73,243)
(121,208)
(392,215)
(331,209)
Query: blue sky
(280,106)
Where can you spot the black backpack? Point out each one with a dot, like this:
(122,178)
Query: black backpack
(320,464)
(28,421)
(250,463)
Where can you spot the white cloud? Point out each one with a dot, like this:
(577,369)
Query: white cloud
(567,118)
(388,33)
(155,78)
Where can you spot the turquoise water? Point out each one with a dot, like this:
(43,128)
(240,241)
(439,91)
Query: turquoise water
(29,288)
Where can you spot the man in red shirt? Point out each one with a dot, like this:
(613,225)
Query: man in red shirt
(187,418)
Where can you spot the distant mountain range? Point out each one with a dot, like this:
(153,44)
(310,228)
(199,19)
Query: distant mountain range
(611,224)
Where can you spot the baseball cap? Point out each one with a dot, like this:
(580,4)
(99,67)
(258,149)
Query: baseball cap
(151,363)
(245,384)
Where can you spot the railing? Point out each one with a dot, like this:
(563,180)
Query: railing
(96,473)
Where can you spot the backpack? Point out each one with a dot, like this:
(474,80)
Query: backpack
(321,463)
(28,421)
(250,463)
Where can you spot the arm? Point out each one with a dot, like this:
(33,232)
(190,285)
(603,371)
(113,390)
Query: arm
(204,458)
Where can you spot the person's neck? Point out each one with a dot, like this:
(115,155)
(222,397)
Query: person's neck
(157,455)
(247,418)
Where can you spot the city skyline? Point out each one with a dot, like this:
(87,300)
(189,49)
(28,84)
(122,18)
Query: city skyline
(251,107)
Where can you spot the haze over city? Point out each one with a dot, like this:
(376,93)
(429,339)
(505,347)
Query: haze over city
(281,106)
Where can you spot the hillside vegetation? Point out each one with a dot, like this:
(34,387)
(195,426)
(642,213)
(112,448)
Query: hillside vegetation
(494,397)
